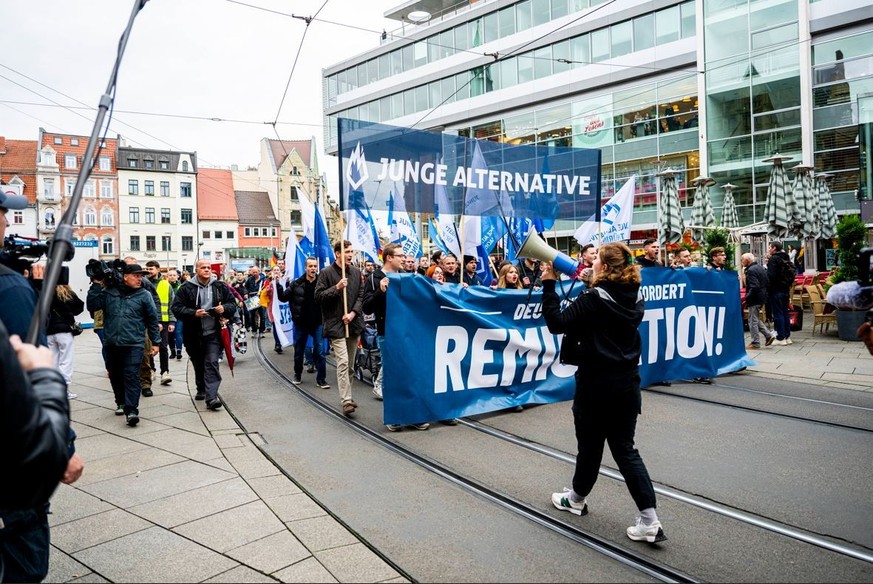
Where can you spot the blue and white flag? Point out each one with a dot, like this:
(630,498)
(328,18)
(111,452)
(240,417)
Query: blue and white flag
(616,218)
(361,231)
(281,311)
(447,230)
(479,350)
(402,228)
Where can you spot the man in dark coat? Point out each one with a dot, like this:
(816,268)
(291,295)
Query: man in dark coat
(757,283)
(342,317)
(780,273)
(305,314)
(200,303)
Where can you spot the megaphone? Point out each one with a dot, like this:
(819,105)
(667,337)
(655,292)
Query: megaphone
(535,247)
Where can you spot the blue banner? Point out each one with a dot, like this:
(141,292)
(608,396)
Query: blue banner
(481,177)
(478,350)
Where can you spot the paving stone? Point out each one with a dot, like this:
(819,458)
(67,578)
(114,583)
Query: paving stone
(321,533)
(83,533)
(271,553)
(248,453)
(355,563)
(156,483)
(92,577)
(125,464)
(234,527)
(241,574)
(309,570)
(219,420)
(63,568)
(251,469)
(187,444)
(188,421)
(70,503)
(105,445)
(227,441)
(154,555)
(273,486)
(84,430)
(294,507)
(197,503)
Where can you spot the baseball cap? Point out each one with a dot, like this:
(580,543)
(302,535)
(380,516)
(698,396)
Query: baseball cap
(9,200)
(134,269)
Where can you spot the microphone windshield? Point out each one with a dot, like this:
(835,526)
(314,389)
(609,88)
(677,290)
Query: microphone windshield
(851,296)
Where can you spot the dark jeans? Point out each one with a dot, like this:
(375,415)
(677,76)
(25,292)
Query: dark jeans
(99,333)
(779,309)
(204,358)
(162,351)
(24,545)
(124,369)
(301,336)
(257,319)
(606,410)
(178,337)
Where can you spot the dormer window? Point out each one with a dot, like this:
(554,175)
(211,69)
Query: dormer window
(184,166)
(164,165)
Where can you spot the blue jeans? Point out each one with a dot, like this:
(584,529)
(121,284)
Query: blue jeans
(301,336)
(124,364)
(24,545)
(781,320)
(178,337)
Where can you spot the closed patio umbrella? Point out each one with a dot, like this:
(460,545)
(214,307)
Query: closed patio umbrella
(828,214)
(729,219)
(701,213)
(671,225)
(805,216)
(779,208)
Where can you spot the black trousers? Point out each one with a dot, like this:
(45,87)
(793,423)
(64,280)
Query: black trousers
(163,351)
(24,545)
(204,358)
(606,410)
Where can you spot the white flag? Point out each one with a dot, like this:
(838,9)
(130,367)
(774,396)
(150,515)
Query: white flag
(616,217)
(445,221)
(361,232)
(282,310)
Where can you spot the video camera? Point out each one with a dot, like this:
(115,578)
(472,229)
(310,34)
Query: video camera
(19,253)
(110,273)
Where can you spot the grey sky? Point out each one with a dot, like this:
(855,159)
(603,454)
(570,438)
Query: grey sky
(204,58)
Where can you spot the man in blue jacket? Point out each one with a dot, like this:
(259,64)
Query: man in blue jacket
(129,314)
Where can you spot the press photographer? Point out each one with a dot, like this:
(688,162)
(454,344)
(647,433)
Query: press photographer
(19,296)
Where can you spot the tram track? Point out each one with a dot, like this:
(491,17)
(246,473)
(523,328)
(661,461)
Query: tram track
(491,481)
(624,556)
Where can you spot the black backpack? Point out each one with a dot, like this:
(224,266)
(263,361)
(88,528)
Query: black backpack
(783,274)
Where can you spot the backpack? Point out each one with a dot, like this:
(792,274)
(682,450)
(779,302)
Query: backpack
(783,274)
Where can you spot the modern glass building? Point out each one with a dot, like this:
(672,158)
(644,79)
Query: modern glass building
(706,87)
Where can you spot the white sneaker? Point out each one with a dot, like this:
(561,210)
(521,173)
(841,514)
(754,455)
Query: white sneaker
(788,341)
(165,378)
(71,395)
(651,533)
(377,394)
(781,343)
(393,427)
(562,501)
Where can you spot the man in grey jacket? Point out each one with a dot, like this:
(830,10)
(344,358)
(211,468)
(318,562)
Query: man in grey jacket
(340,299)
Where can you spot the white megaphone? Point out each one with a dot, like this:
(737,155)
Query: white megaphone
(535,247)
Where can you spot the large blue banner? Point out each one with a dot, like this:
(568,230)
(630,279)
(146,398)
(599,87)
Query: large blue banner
(481,177)
(452,351)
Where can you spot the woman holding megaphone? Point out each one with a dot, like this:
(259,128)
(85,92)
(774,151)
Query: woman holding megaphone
(601,328)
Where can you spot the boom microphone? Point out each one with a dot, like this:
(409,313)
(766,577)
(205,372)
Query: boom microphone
(851,296)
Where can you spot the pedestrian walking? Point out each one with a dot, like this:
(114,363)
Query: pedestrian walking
(757,283)
(306,316)
(66,305)
(604,321)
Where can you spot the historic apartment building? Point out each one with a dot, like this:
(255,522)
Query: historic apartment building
(157,206)
(18,177)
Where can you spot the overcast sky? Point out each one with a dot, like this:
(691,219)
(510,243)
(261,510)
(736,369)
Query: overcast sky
(202,58)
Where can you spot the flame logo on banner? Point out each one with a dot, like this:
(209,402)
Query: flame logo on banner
(356,172)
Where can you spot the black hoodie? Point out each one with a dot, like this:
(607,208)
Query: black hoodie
(600,327)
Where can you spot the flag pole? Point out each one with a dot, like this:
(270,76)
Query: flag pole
(339,139)
(343,271)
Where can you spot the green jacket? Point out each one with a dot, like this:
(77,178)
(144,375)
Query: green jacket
(127,314)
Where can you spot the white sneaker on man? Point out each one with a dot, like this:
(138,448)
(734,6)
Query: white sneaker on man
(641,532)
(563,502)
(377,393)
(781,343)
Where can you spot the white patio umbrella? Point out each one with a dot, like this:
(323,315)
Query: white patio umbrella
(729,219)
(671,225)
(779,208)
(828,214)
(805,216)
(702,215)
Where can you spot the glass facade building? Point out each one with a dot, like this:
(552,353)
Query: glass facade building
(708,87)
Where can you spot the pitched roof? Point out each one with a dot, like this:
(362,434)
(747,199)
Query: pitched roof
(280,150)
(215,197)
(17,156)
(254,208)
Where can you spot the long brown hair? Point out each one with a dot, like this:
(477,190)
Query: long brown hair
(619,265)
(501,280)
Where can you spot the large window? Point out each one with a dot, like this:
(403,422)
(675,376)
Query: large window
(106,189)
(187,217)
(132,187)
(185,189)
(134,243)
(150,215)
(150,188)
(187,243)
(107,245)
(166,243)
(134,214)
(150,243)
(165,188)
(165,215)
(107,216)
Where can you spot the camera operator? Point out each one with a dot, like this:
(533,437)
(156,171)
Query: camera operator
(34,420)
(129,314)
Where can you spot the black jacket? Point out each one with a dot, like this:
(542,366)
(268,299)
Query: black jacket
(602,323)
(331,301)
(34,430)
(524,272)
(473,280)
(375,300)
(185,305)
(129,314)
(304,311)
(757,283)
(778,267)
(645,262)
(62,315)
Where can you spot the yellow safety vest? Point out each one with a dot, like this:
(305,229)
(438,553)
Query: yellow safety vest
(165,293)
